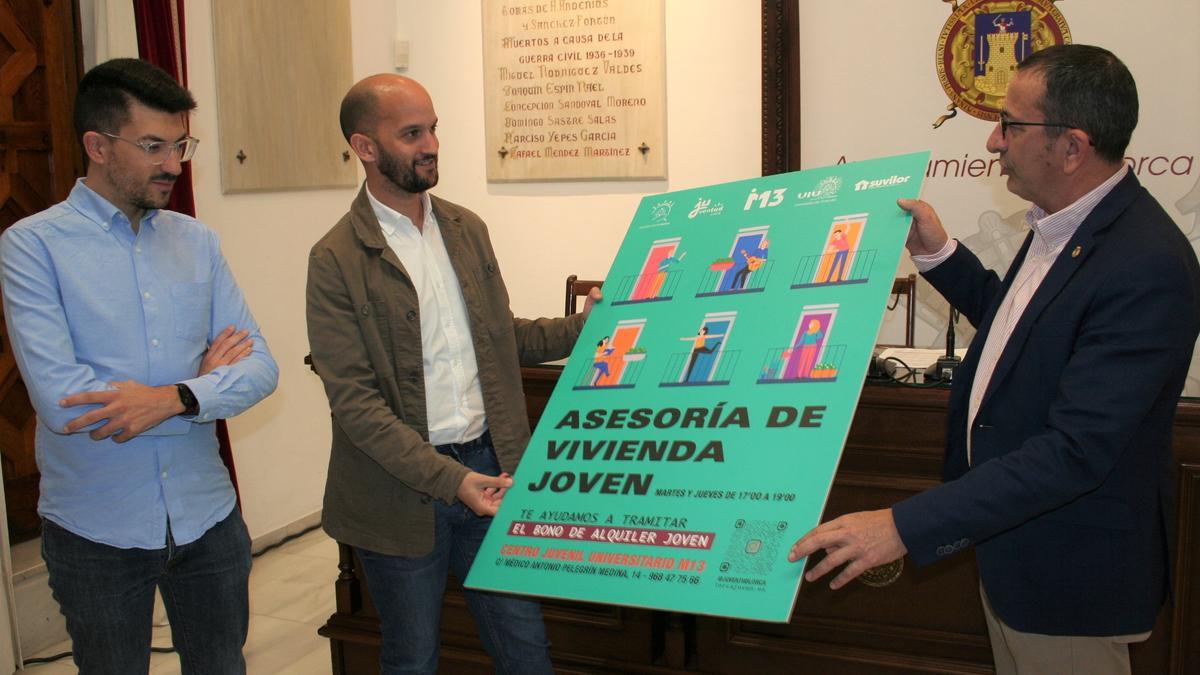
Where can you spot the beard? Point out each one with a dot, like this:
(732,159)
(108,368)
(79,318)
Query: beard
(138,190)
(148,198)
(404,174)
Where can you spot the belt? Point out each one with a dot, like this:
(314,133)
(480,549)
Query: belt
(453,449)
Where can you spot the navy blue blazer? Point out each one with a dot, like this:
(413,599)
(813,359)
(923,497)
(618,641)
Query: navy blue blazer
(1069,500)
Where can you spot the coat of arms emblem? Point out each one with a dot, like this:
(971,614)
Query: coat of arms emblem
(982,43)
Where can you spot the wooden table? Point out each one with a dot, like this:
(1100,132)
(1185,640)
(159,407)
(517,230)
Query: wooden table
(929,621)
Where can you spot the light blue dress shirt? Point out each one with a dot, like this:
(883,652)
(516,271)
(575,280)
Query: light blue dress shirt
(88,302)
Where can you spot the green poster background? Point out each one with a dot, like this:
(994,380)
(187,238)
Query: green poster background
(696,429)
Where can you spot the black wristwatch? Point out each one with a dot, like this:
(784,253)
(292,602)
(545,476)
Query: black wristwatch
(191,407)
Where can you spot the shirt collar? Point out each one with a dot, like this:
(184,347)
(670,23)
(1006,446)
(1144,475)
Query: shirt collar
(1055,229)
(96,208)
(391,220)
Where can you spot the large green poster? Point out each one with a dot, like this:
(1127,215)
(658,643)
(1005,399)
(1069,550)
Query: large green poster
(697,427)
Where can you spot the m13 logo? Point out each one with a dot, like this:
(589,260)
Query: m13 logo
(765,199)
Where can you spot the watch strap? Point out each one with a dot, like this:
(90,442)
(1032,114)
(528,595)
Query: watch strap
(191,407)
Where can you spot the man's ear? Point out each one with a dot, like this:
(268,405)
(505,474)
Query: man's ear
(96,147)
(364,147)
(1078,149)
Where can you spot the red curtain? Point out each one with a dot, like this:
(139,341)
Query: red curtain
(160,36)
(162,41)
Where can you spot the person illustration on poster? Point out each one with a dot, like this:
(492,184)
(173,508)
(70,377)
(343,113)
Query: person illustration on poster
(664,270)
(839,260)
(839,246)
(699,346)
(747,257)
(799,361)
(650,283)
(668,263)
(754,261)
(603,351)
(616,360)
(809,344)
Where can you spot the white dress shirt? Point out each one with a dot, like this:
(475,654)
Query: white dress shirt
(1050,234)
(453,397)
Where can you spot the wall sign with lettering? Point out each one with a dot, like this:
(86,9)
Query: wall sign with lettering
(574,89)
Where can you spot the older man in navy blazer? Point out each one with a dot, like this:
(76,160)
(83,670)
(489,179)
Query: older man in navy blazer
(1058,462)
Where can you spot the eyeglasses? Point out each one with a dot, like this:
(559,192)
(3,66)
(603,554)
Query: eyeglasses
(160,151)
(1005,123)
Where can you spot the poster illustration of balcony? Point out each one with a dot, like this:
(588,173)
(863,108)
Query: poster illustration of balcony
(696,429)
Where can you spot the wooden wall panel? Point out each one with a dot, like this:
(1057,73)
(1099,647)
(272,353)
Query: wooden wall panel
(283,67)
(40,158)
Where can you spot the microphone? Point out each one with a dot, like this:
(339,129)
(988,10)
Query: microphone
(950,333)
(943,370)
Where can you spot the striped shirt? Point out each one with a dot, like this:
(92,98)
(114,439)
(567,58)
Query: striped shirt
(1051,232)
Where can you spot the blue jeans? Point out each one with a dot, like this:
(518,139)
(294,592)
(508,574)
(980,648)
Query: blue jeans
(407,592)
(107,596)
(838,264)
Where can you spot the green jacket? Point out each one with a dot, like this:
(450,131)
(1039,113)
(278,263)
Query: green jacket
(364,329)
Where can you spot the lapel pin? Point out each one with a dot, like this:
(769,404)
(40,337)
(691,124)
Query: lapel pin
(1077,251)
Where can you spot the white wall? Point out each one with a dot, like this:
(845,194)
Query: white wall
(542,232)
(866,102)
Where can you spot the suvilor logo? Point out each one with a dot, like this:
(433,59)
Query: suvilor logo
(883,182)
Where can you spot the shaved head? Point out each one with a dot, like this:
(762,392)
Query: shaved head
(360,112)
(390,123)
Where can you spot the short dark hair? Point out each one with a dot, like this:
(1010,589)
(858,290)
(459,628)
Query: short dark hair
(102,101)
(360,111)
(1088,88)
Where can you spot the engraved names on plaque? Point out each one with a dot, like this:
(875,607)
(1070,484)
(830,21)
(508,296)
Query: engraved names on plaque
(574,89)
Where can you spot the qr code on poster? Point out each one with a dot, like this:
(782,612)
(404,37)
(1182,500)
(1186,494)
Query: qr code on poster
(754,546)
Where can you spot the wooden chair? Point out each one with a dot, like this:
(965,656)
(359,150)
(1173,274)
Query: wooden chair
(577,288)
(907,287)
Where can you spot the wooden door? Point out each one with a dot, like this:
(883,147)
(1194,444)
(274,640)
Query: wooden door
(40,66)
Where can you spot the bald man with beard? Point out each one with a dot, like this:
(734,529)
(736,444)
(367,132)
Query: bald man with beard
(420,355)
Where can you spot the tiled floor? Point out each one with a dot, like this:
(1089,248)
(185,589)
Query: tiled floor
(291,595)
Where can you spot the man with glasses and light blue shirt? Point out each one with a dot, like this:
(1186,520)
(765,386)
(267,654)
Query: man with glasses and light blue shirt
(133,338)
